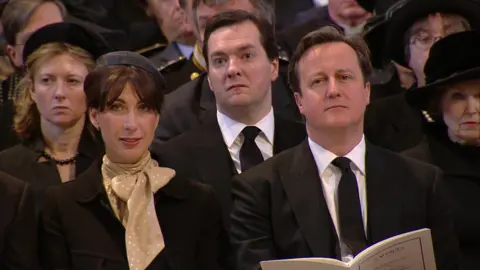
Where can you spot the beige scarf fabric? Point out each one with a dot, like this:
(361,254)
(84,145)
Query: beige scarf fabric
(130,189)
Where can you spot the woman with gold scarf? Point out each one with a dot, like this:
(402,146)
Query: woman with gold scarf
(126,211)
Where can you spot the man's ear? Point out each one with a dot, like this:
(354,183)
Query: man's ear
(274,71)
(298,101)
(367,92)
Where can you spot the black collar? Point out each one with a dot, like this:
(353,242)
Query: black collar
(89,186)
(87,146)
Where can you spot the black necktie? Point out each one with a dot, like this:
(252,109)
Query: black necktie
(250,155)
(349,210)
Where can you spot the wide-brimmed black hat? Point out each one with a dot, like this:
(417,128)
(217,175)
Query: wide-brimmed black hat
(70,33)
(386,37)
(453,59)
(127,58)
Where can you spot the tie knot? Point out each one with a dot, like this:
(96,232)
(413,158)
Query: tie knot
(250,132)
(342,163)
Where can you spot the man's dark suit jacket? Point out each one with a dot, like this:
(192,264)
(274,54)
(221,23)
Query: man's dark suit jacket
(280,212)
(80,231)
(201,154)
(18,225)
(186,107)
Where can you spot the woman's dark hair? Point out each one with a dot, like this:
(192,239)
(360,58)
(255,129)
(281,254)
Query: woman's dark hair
(105,84)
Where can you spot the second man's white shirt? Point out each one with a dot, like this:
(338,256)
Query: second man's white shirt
(233,138)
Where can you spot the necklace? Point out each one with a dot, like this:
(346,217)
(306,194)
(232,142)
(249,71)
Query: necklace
(60,162)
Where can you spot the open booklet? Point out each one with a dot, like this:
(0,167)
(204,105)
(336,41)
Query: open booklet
(408,251)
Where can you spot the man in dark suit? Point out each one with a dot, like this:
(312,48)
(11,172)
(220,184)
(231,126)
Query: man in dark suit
(240,70)
(18,225)
(335,194)
(409,32)
(185,107)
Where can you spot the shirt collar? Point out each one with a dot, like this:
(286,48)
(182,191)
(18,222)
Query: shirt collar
(186,50)
(231,129)
(323,158)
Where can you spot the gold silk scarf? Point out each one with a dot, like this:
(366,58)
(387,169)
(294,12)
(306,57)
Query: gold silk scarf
(130,189)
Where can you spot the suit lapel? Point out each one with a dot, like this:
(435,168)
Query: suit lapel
(206,97)
(304,192)
(384,196)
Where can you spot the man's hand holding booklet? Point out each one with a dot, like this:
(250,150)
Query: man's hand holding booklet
(408,251)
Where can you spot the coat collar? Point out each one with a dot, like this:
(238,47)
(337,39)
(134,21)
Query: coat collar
(90,186)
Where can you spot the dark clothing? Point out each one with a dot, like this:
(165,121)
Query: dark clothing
(18,225)
(9,92)
(392,124)
(123,24)
(22,162)
(279,209)
(385,83)
(170,54)
(461,170)
(80,231)
(185,108)
(286,10)
(180,72)
(289,37)
(201,154)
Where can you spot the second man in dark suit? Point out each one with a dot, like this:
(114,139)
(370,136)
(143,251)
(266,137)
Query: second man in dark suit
(335,194)
(244,131)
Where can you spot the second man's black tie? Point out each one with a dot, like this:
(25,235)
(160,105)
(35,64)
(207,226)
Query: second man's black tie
(350,220)
(250,155)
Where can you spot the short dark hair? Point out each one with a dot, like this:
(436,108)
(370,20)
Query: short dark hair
(105,84)
(264,8)
(328,34)
(229,18)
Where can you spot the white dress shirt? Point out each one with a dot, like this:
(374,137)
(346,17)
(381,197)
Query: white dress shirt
(233,137)
(330,177)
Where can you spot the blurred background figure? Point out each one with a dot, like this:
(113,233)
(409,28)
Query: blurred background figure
(172,20)
(20,18)
(347,15)
(451,95)
(410,30)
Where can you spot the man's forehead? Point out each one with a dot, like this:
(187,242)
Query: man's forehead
(244,34)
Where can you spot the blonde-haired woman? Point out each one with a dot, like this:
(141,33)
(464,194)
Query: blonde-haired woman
(51,110)
(19,19)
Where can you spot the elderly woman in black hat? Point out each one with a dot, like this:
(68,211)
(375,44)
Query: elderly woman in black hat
(127,211)
(410,30)
(452,97)
(51,109)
